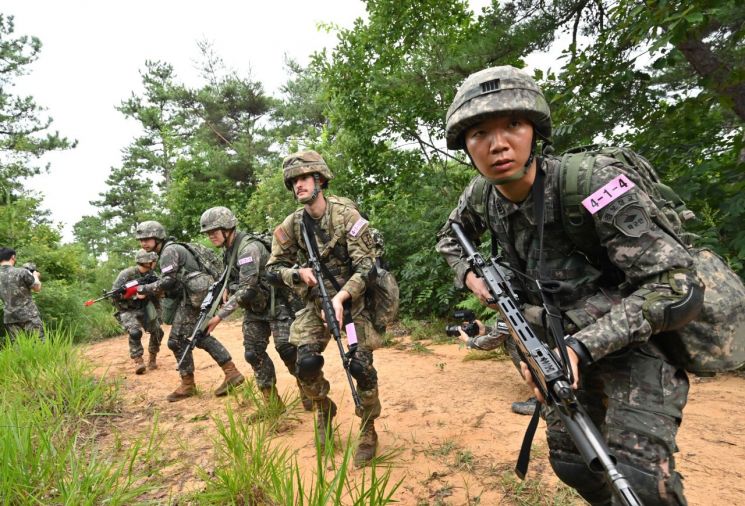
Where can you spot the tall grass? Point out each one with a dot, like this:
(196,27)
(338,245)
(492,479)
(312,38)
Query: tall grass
(50,405)
(252,468)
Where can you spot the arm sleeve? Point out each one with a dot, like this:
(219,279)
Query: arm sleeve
(361,253)
(171,261)
(248,262)
(284,251)
(663,290)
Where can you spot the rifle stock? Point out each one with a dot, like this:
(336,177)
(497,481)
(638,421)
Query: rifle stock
(330,314)
(549,375)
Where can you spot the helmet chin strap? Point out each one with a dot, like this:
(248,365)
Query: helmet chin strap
(316,190)
(517,175)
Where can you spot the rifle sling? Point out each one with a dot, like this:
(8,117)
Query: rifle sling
(310,226)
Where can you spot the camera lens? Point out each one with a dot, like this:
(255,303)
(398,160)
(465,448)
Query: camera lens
(452,330)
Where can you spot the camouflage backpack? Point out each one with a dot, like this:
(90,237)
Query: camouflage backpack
(383,295)
(207,259)
(715,341)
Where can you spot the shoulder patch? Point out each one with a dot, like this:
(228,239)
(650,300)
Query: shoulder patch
(167,268)
(632,221)
(608,193)
(357,227)
(245,260)
(281,235)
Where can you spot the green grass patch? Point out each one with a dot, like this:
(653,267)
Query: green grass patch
(533,492)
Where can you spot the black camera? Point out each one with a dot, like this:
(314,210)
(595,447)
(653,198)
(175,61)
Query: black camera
(470,327)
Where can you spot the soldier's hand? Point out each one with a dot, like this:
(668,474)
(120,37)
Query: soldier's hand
(479,289)
(224,297)
(574,364)
(141,295)
(307,276)
(214,321)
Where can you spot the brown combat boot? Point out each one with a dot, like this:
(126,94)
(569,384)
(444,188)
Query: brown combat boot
(151,363)
(367,445)
(325,413)
(233,378)
(273,405)
(187,388)
(139,365)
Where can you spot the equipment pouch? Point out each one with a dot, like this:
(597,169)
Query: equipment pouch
(197,284)
(169,306)
(151,314)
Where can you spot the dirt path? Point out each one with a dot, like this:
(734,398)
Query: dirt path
(449,418)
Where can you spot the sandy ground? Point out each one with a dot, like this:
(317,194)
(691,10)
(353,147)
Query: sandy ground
(448,419)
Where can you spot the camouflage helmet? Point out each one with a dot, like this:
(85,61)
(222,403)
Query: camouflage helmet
(145,257)
(217,217)
(304,162)
(496,90)
(150,229)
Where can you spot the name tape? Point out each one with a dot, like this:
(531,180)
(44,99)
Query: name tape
(608,193)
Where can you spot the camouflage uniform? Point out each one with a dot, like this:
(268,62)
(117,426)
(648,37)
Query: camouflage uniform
(346,248)
(181,279)
(20,312)
(134,315)
(263,313)
(618,305)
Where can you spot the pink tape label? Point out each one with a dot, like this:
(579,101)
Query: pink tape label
(351,334)
(357,227)
(608,193)
(131,283)
(245,260)
(167,268)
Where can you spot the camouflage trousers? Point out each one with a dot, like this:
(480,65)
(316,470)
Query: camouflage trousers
(255,341)
(636,399)
(184,322)
(133,322)
(33,325)
(312,337)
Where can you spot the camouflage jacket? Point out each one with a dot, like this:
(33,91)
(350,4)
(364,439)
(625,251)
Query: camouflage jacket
(344,243)
(124,277)
(247,284)
(15,292)
(603,303)
(176,263)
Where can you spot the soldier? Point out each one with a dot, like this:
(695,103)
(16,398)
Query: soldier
(266,309)
(346,248)
(137,314)
(184,283)
(16,284)
(617,307)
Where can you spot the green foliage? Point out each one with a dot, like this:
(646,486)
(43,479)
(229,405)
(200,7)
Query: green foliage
(50,406)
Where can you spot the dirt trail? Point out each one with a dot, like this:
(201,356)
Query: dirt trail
(449,418)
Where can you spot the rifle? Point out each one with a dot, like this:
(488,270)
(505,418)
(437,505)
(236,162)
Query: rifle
(551,376)
(207,310)
(126,291)
(330,314)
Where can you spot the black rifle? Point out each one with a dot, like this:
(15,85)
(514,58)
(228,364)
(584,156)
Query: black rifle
(329,313)
(145,280)
(550,376)
(207,310)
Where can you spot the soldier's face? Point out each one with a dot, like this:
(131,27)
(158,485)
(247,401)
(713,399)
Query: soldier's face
(303,186)
(148,244)
(145,268)
(500,146)
(216,237)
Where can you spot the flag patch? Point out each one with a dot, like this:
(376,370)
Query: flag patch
(355,230)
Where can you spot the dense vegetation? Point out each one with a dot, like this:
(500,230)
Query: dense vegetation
(666,78)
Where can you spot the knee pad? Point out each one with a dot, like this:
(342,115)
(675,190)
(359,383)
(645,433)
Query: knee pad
(252,358)
(173,344)
(366,376)
(135,334)
(590,485)
(287,352)
(309,366)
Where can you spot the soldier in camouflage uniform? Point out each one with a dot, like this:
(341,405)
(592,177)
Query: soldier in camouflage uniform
(266,309)
(136,315)
(617,308)
(16,284)
(346,247)
(182,281)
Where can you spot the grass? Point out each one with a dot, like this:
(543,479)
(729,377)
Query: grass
(532,492)
(52,412)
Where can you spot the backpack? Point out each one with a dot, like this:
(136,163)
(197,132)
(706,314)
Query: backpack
(207,259)
(382,295)
(713,342)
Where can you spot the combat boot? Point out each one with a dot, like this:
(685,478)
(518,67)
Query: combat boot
(367,445)
(525,407)
(325,413)
(139,365)
(233,378)
(273,405)
(151,363)
(187,388)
